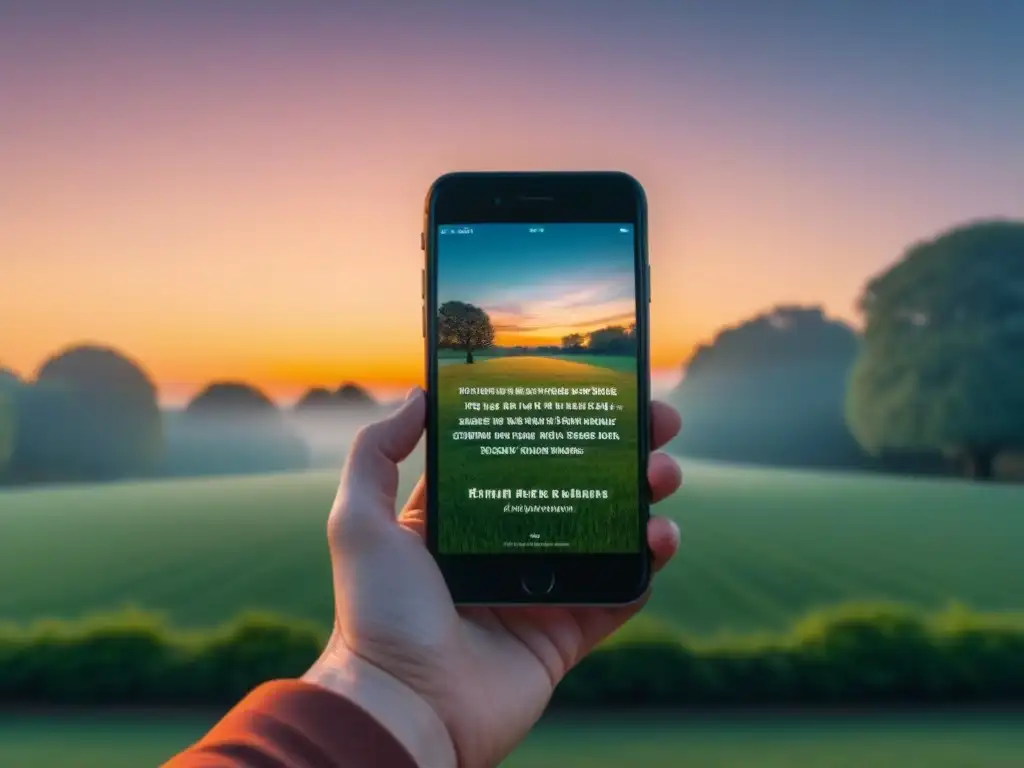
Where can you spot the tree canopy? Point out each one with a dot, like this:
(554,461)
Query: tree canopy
(353,396)
(91,413)
(770,391)
(233,427)
(230,399)
(347,397)
(612,340)
(315,400)
(942,365)
(9,386)
(573,342)
(464,326)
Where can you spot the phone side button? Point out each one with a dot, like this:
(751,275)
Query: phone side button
(423,241)
(423,319)
(648,283)
(537,582)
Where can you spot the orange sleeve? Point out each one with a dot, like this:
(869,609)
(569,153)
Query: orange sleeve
(292,724)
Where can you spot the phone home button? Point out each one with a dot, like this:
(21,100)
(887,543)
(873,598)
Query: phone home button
(538,581)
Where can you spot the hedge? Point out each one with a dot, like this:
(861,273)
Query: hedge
(855,655)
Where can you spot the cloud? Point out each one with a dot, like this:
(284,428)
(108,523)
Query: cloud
(584,307)
(503,309)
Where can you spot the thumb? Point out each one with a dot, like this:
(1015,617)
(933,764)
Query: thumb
(369,479)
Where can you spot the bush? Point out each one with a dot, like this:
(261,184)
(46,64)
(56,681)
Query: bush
(136,658)
(877,655)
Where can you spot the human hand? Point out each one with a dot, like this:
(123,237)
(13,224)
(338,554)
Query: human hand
(457,686)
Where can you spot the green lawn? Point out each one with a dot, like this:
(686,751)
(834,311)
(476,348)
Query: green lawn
(496,525)
(936,741)
(760,547)
(615,362)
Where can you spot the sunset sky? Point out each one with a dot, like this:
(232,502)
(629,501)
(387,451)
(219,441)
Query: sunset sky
(238,195)
(540,284)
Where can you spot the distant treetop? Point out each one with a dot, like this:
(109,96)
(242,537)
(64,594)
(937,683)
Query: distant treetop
(8,378)
(784,334)
(96,368)
(230,398)
(315,399)
(769,390)
(102,405)
(349,394)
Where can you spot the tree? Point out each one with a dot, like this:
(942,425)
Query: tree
(232,427)
(464,326)
(352,396)
(91,413)
(231,400)
(10,385)
(770,391)
(573,342)
(942,365)
(613,340)
(348,397)
(315,400)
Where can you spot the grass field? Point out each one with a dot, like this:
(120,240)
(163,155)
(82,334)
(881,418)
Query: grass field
(481,525)
(623,363)
(760,547)
(936,741)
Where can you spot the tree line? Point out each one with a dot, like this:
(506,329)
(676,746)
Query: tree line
(92,413)
(610,340)
(865,655)
(934,383)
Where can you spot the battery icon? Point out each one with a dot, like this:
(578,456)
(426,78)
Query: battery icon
(624,230)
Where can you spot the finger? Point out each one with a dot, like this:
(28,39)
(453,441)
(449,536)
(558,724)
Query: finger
(663,540)
(596,625)
(415,519)
(663,476)
(370,475)
(414,514)
(418,497)
(665,424)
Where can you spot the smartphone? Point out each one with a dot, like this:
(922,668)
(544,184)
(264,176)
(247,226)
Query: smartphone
(535,318)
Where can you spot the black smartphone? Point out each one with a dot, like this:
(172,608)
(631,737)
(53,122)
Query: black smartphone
(535,317)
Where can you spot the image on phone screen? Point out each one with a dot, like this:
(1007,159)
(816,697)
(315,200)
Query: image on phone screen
(537,388)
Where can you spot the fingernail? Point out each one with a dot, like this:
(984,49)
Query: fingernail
(675,529)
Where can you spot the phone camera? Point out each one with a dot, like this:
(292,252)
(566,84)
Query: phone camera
(497,201)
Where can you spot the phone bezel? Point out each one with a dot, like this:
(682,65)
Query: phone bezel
(542,197)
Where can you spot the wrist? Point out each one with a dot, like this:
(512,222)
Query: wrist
(404,713)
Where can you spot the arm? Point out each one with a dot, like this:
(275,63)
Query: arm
(352,716)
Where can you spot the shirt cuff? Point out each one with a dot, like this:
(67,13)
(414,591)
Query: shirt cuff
(294,724)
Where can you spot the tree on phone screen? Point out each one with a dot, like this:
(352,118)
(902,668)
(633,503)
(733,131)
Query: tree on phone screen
(465,327)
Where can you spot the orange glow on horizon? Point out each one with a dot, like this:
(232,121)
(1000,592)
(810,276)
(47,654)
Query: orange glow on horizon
(285,380)
(545,337)
(252,226)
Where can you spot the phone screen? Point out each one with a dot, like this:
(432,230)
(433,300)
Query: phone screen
(537,389)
